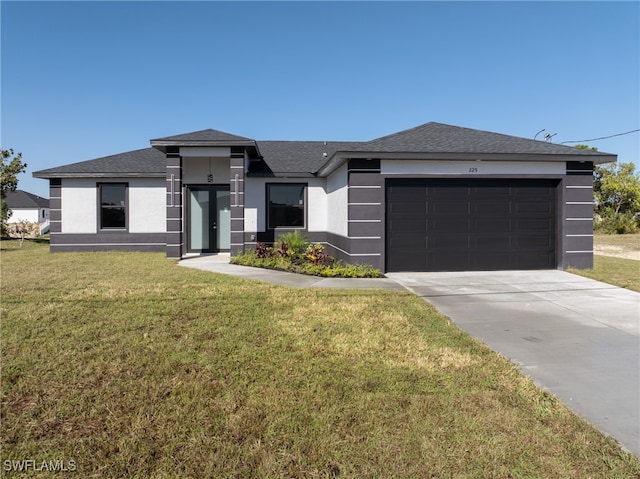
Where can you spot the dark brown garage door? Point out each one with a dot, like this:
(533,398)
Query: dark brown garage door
(459,225)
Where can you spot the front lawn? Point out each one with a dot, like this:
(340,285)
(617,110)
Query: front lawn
(617,271)
(131,366)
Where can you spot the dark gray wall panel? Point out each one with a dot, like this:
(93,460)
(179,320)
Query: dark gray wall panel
(578,194)
(374,194)
(365,229)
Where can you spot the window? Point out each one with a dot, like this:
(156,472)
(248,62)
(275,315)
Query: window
(113,206)
(286,205)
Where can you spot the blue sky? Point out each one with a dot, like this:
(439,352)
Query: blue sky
(81,80)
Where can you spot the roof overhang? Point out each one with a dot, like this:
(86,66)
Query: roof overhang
(164,145)
(45,175)
(339,158)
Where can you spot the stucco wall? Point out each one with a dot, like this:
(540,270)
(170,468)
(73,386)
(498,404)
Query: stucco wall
(196,170)
(32,215)
(146,207)
(255,203)
(147,212)
(444,168)
(337,195)
(79,200)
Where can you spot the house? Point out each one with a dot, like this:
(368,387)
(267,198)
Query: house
(431,198)
(27,208)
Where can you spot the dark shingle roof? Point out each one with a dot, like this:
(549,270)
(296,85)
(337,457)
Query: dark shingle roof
(23,199)
(208,135)
(300,156)
(428,141)
(145,162)
(440,138)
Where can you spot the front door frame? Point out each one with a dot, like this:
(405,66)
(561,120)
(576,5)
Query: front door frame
(212,225)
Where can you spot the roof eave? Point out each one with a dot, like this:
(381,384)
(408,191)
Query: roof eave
(340,157)
(48,175)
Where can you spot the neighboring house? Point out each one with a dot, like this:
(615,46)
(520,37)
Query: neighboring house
(29,208)
(431,198)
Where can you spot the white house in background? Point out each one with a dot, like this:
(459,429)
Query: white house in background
(432,198)
(27,207)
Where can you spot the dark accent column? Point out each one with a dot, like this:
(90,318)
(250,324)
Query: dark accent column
(175,232)
(365,213)
(577,216)
(236,182)
(55,212)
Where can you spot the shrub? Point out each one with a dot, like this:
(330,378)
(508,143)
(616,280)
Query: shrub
(292,244)
(312,261)
(616,223)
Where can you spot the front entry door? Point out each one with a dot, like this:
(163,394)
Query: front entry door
(208,219)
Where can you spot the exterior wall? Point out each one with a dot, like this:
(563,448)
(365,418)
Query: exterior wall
(147,212)
(236,175)
(576,200)
(256,207)
(472,167)
(196,171)
(74,224)
(337,198)
(79,201)
(32,215)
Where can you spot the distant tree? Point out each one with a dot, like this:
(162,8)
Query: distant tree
(616,186)
(12,166)
(585,147)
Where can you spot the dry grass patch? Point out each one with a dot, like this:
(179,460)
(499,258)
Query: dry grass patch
(135,367)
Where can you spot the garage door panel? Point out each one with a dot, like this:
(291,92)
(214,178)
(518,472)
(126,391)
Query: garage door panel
(488,224)
(490,208)
(533,208)
(533,225)
(532,242)
(448,208)
(491,224)
(450,242)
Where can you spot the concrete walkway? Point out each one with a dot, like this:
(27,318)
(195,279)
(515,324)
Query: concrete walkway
(219,263)
(578,338)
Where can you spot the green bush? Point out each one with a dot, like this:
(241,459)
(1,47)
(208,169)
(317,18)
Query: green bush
(611,222)
(312,261)
(292,244)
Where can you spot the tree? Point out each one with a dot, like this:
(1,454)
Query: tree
(12,166)
(616,186)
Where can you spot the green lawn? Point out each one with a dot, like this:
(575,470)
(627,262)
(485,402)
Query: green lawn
(134,367)
(617,271)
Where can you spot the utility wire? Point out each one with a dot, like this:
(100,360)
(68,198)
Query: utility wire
(601,138)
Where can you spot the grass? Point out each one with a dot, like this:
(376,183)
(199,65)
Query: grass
(612,270)
(628,242)
(134,367)
(617,271)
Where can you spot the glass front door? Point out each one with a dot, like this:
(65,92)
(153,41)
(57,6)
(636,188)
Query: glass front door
(208,219)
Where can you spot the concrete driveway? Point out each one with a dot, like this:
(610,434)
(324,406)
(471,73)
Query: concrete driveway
(578,338)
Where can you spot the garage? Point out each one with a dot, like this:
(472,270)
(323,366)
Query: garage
(470,224)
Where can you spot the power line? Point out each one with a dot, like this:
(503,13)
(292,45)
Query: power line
(601,138)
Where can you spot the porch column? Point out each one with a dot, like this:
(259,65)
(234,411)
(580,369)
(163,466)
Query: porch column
(236,181)
(175,235)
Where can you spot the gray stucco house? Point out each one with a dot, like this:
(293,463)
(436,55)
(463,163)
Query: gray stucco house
(432,198)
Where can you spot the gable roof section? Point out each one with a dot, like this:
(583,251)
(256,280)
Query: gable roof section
(146,162)
(440,138)
(20,199)
(300,157)
(438,141)
(431,141)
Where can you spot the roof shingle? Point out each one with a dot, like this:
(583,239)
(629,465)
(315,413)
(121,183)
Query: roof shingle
(19,199)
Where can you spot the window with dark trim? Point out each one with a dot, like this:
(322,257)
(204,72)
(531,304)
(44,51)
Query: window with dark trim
(113,206)
(286,205)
